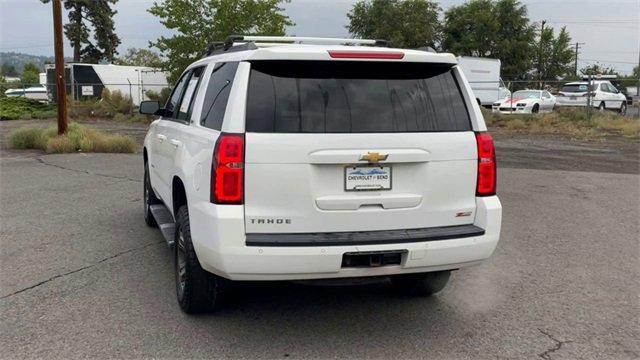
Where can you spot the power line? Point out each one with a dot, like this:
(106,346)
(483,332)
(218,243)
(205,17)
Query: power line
(610,61)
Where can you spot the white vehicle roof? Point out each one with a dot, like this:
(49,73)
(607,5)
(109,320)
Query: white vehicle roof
(316,50)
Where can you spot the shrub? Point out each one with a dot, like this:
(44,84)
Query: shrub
(111,104)
(161,96)
(27,138)
(12,108)
(77,138)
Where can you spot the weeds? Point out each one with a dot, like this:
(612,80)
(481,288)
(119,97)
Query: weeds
(77,138)
(567,122)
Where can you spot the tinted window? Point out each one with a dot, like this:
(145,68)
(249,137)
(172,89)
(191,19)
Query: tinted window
(576,88)
(191,89)
(353,97)
(176,95)
(217,95)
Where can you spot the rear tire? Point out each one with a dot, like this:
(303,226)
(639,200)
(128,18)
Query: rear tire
(424,284)
(149,198)
(197,290)
(623,108)
(602,107)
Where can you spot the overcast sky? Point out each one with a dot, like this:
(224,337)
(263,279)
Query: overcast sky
(610,28)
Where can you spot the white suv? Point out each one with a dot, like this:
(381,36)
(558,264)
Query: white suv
(601,94)
(303,158)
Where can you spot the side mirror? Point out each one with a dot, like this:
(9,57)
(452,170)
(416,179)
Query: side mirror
(151,108)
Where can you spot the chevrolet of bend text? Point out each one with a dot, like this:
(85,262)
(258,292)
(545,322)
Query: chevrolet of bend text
(282,158)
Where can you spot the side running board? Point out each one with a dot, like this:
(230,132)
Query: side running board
(164,219)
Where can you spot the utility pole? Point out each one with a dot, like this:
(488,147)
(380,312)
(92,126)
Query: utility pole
(61,89)
(575,64)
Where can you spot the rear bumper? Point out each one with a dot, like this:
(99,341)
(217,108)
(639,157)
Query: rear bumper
(221,245)
(365,237)
(580,102)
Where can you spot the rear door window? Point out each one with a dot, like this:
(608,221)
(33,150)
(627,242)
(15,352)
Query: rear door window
(354,97)
(191,89)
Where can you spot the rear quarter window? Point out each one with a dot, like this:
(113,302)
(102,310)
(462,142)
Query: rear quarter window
(354,97)
(217,95)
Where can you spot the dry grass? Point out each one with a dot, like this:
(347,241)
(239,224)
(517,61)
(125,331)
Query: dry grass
(77,138)
(567,122)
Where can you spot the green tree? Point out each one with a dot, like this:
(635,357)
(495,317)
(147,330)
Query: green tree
(139,57)
(87,17)
(198,23)
(30,74)
(636,72)
(405,23)
(492,28)
(8,70)
(598,69)
(556,55)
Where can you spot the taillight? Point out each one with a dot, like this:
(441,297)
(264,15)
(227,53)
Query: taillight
(486,165)
(227,172)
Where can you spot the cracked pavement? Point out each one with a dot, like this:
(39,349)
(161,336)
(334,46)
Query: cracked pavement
(82,276)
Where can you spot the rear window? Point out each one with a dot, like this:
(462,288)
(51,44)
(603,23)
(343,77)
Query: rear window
(578,88)
(353,97)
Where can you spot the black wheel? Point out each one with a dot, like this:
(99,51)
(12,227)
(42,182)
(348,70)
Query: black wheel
(601,107)
(149,198)
(423,284)
(623,108)
(535,109)
(197,290)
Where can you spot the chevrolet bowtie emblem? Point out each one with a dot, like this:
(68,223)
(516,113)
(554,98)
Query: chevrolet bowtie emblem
(373,157)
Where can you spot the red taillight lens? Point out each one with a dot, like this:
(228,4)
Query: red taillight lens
(387,55)
(227,173)
(486,165)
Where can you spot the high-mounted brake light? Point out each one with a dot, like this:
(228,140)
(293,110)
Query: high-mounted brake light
(387,55)
(227,172)
(486,165)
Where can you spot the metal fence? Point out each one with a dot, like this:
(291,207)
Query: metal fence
(487,92)
(136,92)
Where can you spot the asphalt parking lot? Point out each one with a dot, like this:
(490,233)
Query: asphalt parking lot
(82,276)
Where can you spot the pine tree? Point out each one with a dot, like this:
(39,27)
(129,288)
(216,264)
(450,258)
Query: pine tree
(91,16)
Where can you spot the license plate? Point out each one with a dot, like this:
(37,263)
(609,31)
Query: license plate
(573,98)
(362,178)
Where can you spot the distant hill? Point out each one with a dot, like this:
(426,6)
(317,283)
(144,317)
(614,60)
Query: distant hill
(18,60)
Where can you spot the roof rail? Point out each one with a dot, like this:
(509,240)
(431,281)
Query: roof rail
(251,42)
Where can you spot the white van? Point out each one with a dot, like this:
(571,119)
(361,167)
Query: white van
(483,75)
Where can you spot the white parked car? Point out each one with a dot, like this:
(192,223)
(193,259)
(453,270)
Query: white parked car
(526,102)
(320,160)
(601,94)
(35,92)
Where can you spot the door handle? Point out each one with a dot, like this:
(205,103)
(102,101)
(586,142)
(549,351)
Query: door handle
(161,137)
(175,142)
